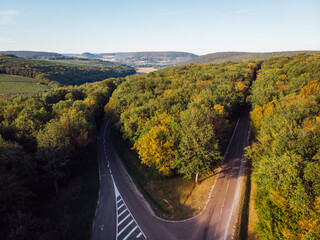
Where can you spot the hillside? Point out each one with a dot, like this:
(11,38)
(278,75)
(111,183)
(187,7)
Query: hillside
(286,153)
(59,74)
(241,56)
(47,145)
(11,85)
(77,61)
(88,55)
(32,54)
(148,59)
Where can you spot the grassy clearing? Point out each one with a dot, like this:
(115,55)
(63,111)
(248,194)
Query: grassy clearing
(173,198)
(81,62)
(252,234)
(144,70)
(74,207)
(10,84)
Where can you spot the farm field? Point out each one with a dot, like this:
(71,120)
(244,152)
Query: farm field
(10,84)
(82,62)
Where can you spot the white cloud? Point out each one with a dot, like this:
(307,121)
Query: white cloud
(7,16)
(244,10)
(172,13)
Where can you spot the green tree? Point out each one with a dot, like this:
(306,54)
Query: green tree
(54,151)
(198,148)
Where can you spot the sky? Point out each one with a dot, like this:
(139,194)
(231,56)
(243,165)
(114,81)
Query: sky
(196,26)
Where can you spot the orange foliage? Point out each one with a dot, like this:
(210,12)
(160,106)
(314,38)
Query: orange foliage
(167,92)
(242,87)
(281,85)
(311,89)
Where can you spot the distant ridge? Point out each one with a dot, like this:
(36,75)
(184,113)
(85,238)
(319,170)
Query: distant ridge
(149,59)
(242,56)
(32,54)
(88,55)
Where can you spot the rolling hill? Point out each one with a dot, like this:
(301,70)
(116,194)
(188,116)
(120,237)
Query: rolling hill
(149,59)
(32,54)
(241,56)
(88,56)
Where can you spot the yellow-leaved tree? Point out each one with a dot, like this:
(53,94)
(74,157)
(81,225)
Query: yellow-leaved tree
(156,146)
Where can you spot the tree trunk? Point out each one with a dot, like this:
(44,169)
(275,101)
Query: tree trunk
(56,185)
(197,175)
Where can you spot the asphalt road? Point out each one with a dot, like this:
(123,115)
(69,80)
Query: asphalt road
(122,212)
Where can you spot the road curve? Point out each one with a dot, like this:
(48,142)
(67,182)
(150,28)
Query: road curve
(122,212)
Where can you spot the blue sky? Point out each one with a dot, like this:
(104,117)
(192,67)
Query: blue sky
(199,27)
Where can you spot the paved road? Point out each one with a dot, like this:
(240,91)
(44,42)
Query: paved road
(122,213)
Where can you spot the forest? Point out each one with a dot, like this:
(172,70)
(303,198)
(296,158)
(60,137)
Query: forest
(285,118)
(179,121)
(56,75)
(45,140)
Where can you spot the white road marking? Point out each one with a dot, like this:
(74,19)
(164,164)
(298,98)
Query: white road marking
(128,235)
(139,235)
(126,217)
(125,227)
(237,193)
(94,222)
(225,194)
(123,212)
(135,226)
(121,206)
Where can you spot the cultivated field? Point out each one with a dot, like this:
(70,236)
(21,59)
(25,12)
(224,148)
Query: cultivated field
(10,84)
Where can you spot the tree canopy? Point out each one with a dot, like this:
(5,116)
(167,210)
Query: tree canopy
(178,119)
(286,162)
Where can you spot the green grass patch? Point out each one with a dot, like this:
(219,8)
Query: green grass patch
(253,218)
(82,62)
(10,84)
(173,198)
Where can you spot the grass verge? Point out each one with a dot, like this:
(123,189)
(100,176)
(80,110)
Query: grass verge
(173,198)
(253,218)
(247,215)
(241,231)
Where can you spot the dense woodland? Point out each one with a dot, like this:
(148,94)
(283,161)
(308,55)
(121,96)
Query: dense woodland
(286,155)
(56,75)
(43,141)
(243,56)
(178,119)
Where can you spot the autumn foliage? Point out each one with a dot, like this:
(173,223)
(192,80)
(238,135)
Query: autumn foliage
(286,153)
(177,119)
